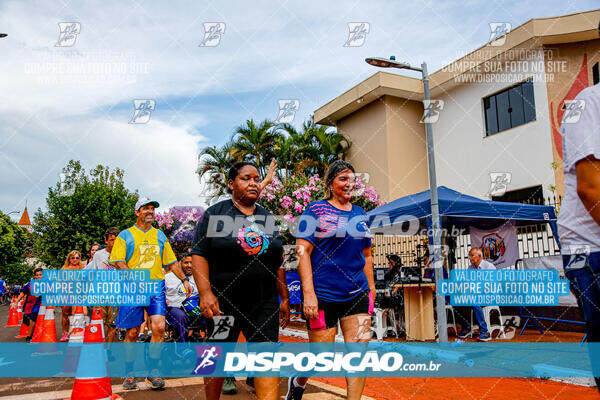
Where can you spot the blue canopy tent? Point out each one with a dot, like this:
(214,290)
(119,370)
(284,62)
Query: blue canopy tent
(458,210)
(461,211)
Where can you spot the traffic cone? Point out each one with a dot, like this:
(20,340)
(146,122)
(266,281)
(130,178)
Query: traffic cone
(20,310)
(38,324)
(97,320)
(13,318)
(76,336)
(48,334)
(47,340)
(77,325)
(23,332)
(92,381)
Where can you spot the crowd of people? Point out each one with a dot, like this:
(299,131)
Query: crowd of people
(239,277)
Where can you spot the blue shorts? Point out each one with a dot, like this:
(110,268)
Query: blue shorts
(131,316)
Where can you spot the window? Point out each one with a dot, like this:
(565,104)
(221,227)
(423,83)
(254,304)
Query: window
(532,195)
(509,108)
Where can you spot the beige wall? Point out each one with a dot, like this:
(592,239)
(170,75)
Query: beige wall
(388,142)
(407,147)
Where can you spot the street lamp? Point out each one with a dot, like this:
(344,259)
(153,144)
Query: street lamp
(435,212)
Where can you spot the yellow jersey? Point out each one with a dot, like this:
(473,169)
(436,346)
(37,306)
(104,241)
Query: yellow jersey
(143,250)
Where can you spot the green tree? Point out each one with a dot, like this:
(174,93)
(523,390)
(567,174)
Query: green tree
(213,165)
(14,243)
(307,151)
(255,142)
(314,147)
(79,210)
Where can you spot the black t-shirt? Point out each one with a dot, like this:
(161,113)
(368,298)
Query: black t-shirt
(243,257)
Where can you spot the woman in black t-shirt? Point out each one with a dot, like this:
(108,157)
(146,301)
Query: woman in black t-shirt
(237,256)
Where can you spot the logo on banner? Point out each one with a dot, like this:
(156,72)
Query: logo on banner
(493,246)
(207,359)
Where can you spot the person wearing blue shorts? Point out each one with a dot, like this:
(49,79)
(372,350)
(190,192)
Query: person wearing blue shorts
(145,247)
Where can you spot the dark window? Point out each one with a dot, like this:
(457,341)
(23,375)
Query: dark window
(491,120)
(509,108)
(595,74)
(532,195)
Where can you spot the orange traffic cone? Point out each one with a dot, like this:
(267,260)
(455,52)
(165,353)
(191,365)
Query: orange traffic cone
(77,325)
(13,318)
(39,322)
(20,310)
(48,334)
(47,340)
(92,381)
(76,336)
(97,320)
(23,332)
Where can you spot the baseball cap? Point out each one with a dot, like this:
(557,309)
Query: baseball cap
(144,201)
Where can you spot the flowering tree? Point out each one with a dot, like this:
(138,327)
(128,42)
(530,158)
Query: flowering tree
(178,223)
(291,198)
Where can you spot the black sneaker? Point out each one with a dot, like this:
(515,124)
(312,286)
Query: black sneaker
(129,383)
(294,392)
(229,386)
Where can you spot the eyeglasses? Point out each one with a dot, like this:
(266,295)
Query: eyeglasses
(75,258)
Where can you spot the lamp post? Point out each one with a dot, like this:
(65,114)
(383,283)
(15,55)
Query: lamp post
(435,212)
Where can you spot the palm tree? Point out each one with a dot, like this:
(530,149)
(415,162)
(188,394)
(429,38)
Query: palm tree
(213,165)
(297,149)
(255,142)
(316,147)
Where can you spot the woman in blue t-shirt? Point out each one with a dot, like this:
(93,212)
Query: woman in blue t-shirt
(336,269)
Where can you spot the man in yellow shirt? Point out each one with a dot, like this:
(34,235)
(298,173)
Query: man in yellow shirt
(145,247)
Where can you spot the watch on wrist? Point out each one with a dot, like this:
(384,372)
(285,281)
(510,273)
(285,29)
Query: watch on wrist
(186,279)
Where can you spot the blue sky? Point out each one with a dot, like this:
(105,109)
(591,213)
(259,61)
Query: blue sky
(269,51)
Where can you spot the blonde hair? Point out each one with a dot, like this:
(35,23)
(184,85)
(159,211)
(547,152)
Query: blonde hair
(72,253)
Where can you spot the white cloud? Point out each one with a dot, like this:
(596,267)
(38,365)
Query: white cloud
(159,159)
(130,50)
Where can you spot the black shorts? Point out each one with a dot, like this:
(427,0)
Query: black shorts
(260,325)
(31,317)
(336,310)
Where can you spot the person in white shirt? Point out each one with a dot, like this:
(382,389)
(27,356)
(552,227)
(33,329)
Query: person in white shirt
(477,262)
(176,295)
(579,218)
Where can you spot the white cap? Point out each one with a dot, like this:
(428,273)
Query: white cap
(144,201)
